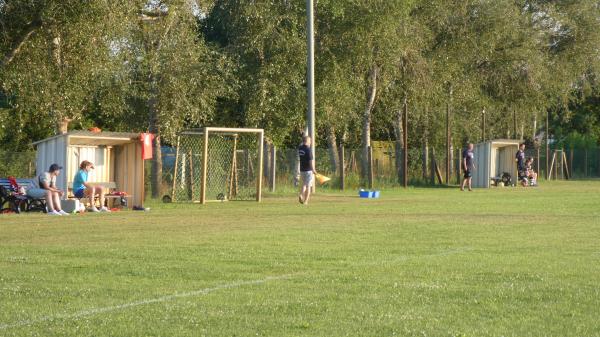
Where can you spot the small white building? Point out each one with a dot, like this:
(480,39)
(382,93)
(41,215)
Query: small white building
(117,157)
(492,159)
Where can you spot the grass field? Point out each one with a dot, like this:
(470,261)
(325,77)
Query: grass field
(417,262)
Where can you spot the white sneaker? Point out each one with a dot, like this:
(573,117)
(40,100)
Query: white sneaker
(63,212)
(104,209)
(94,209)
(54,213)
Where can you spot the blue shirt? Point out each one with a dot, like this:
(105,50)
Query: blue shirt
(80,177)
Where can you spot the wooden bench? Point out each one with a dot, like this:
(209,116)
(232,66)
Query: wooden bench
(14,202)
(110,186)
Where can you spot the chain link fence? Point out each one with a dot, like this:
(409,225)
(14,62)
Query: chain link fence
(17,164)
(427,166)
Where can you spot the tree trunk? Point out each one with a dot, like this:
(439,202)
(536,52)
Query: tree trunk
(366,132)
(399,144)
(333,149)
(425,164)
(154,127)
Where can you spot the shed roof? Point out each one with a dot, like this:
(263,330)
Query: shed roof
(83,137)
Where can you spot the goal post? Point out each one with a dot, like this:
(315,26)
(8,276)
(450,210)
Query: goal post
(218,164)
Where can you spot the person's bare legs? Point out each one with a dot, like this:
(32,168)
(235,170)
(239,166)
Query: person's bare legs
(92,194)
(50,202)
(301,194)
(462,185)
(306,194)
(101,192)
(56,199)
(470,188)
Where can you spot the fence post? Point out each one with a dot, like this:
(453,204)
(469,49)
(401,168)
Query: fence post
(342,168)
(457,167)
(370,166)
(272,171)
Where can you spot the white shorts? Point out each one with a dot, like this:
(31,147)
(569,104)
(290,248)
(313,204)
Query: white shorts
(307,178)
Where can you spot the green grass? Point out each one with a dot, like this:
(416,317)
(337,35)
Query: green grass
(417,262)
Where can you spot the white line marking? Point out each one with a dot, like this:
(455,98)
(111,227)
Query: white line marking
(95,311)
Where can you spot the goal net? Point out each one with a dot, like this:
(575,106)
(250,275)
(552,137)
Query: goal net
(218,164)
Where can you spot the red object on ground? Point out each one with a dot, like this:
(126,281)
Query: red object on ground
(146,139)
(95,129)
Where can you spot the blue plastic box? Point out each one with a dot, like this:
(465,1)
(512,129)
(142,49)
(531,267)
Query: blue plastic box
(368,194)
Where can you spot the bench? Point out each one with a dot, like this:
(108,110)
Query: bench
(15,202)
(110,186)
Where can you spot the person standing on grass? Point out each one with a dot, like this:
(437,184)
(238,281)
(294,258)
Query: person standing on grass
(307,169)
(468,165)
(521,165)
(82,188)
(47,189)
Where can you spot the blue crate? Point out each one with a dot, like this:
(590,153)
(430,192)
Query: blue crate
(368,194)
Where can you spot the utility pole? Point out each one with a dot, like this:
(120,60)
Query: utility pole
(310,85)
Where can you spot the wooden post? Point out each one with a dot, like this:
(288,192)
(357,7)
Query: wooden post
(405,136)
(273,166)
(204,168)
(448,143)
(175,174)
(548,170)
(191,160)
(570,166)
(425,164)
(483,125)
(566,165)
(233,172)
(432,167)
(370,165)
(457,167)
(260,167)
(341,168)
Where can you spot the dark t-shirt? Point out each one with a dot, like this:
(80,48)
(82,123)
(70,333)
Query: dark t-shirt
(470,157)
(306,156)
(520,160)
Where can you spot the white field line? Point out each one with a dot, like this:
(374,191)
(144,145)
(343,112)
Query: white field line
(95,311)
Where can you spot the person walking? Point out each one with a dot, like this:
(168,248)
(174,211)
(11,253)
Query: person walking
(307,169)
(468,165)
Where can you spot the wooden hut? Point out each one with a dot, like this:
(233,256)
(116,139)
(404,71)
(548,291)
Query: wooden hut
(492,159)
(117,157)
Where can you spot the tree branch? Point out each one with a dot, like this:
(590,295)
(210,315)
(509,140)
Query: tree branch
(31,28)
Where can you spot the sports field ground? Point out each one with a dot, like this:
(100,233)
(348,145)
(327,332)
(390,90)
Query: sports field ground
(416,262)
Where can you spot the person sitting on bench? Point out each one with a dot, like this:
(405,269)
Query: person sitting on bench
(531,174)
(82,188)
(47,189)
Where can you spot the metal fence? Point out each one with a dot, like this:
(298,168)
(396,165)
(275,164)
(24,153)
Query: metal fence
(17,164)
(427,166)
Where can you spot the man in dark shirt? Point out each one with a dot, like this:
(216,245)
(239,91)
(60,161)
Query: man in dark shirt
(307,169)
(521,167)
(468,165)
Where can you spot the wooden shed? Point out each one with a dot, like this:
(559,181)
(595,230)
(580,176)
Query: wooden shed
(117,157)
(492,159)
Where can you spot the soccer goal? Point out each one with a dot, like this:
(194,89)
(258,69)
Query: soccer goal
(218,164)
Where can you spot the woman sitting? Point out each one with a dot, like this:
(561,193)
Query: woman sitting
(82,188)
